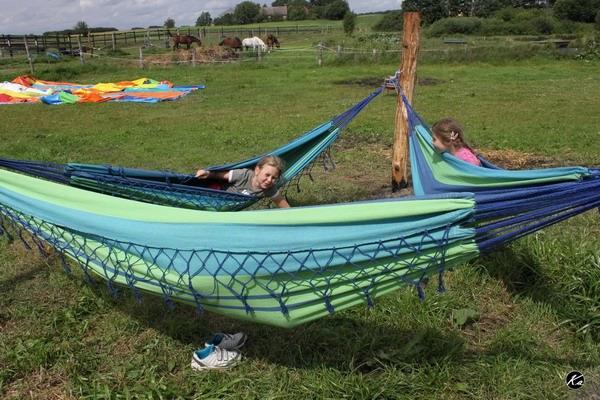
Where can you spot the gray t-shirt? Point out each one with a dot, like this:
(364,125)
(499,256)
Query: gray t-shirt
(240,181)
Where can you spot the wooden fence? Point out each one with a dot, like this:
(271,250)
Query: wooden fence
(70,44)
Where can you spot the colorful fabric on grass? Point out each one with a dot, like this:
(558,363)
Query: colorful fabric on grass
(277,267)
(140,90)
(183,190)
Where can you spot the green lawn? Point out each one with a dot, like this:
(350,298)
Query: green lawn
(537,302)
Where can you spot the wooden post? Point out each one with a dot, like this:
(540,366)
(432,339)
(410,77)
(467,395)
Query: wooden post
(320,55)
(114,41)
(193,56)
(28,56)
(9,45)
(141,59)
(410,48)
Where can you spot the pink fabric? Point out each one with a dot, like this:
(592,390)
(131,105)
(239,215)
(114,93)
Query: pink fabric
(467,155)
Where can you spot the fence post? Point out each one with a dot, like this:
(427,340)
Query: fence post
(141,59)
(28,56)
(193,56)
(114,41)
(10,52)
(80,51)
(70,45)
(320,54)
(338,53)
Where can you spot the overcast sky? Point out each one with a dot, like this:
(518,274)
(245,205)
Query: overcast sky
(38,16)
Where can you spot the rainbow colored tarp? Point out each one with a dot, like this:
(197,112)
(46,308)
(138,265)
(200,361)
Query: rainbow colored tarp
(27,89)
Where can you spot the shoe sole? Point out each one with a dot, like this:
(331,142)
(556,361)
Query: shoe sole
(201,367)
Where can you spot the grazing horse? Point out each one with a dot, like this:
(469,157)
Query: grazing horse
(272,41)
(183,39)
(254,43)
(232,42)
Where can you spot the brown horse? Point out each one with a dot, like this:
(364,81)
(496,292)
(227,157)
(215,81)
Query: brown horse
(272,41)
(232,42)
(183,39)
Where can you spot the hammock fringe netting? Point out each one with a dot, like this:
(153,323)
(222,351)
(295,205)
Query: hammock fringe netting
(286,267)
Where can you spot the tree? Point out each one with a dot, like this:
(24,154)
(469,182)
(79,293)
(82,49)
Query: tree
(431,10)
(204,19)
(169,23)
(246,12)
(296,13)
(225,19)
(279,3)
(336,10)
(349,23)
(81,27)
(576,10)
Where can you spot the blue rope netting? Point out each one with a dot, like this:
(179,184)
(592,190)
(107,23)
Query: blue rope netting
(399,260)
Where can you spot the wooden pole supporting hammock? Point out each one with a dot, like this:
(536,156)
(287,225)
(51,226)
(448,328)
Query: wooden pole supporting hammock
(410,48)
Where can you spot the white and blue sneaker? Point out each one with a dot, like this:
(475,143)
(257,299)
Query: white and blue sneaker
(213,357)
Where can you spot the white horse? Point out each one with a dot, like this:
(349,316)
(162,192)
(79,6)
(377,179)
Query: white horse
(254,43)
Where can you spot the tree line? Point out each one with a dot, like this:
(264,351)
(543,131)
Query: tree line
(433,10)
(248,12)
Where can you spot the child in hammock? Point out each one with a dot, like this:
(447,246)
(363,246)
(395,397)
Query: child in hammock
(260,181)
(448,136)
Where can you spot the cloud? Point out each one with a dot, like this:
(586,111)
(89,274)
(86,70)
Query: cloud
(38,16)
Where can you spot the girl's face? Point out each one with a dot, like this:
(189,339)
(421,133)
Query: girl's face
(266,176)
(438,144)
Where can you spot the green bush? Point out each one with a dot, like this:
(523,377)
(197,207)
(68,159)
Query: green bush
(390,22)
(456,25)
(544,25)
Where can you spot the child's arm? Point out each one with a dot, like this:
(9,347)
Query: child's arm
(219,175)
(280,201)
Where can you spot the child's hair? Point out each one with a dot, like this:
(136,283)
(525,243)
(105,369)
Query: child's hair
(273,161)
(449,132)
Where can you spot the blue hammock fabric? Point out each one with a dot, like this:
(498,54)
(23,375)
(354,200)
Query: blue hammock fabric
(183,190)
(281,267)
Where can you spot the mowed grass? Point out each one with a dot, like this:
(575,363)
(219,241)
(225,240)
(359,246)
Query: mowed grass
(535,305)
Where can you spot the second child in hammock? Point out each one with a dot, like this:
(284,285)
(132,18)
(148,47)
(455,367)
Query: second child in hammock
(448,136)
(261,181)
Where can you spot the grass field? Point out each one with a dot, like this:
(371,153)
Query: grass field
(535,304)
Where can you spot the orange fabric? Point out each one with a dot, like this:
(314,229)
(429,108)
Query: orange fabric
(92,98)
(25,80)
(173,94)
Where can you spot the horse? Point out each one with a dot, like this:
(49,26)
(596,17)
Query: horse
(272,41)
(183,39)
(232,43)
(254,43)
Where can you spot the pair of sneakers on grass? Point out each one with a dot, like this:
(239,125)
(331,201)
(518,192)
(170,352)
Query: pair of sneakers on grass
(221,352)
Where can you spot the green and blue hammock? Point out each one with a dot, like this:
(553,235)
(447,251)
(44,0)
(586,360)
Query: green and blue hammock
(285,267)
(184,190)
